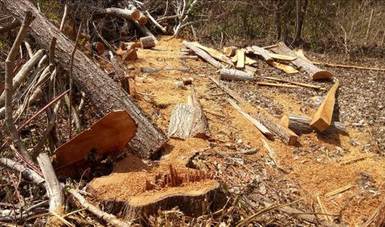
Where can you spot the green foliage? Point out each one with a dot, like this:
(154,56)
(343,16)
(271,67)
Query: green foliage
(51,9)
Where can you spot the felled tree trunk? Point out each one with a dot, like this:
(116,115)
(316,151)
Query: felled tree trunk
(104,93)
(234,74)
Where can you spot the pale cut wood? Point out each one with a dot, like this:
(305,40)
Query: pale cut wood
(277,85)
(215,54)
(349,66)
(314,72)
(282,57)
(188,120)
(107,136)
(295,83)
(101,90)
(252,120)
(285,68)
(322,119)
(203,54)
(234,74)
(249,61)
(240,54)
(301,124)
(52,184)
(229,51)
(147,42)
(262,53)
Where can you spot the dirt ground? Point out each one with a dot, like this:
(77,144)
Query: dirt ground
(341,175)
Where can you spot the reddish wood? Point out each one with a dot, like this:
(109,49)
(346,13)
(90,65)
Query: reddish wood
(109,135)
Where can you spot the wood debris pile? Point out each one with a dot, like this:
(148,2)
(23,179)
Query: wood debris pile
(135,164)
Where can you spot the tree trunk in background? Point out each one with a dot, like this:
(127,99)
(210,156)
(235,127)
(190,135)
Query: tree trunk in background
(277,19)
(301,6)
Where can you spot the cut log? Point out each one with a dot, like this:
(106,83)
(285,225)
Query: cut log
(277,85)
(188,120)
(234,74)
(240,55)
(147,42)
(133,14)
(301,125)
(315,72)
(262,53)
(322,118)
(229,51)
(103,92)
(252,120)
(215,54)
(285,68)
(108,136)
(203,54)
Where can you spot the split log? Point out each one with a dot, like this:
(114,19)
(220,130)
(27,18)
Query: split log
(315,72)
(20,77)
(108,136)
(262,53)
(229,51)
(322,119)
(203,54)
(188,120)
(103,92)
(301,124)
(52,185)
(240,55)
(147,42)
(249,61)
(285,68)
(254,121)
(234,74)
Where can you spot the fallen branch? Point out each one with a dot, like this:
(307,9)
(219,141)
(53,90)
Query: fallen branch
(348,66)
(109,218)
(25,171)
(201,53)
(52,185)
(9,67)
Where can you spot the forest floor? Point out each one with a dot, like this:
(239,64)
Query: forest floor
(340,175)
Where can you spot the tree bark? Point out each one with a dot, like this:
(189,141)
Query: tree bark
(104,93)
(301,7)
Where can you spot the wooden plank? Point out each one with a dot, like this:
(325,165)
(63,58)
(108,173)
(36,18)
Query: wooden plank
(252,120)
(322,119)
(295,83)
(277,85)
(282,57)
(240,54)
(108,135)
(301,124)
(215,54)
(314,72)
(286,68)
